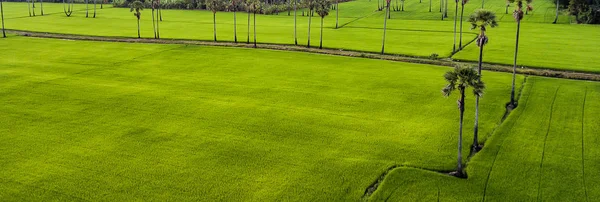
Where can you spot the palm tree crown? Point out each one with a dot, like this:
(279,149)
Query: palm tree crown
(482,18)
(322,7)
(461,78)
(137,6)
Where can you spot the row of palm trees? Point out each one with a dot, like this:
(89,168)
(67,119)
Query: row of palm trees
(463,77)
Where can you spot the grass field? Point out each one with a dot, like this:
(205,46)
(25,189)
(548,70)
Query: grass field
(545,151)
(414,32)
(154,122)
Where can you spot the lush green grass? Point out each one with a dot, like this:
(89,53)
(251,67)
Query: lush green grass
(545,151)
(414,32)
(124,121)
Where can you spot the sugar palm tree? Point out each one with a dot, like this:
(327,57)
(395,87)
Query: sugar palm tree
(455,21)
(94,8)
(518,15)
(137,6)
(295,22)
(430,2)
(234,6)
(480,19)
(154,23)
(529,7)
(86,8)
(322,8)
(214,6)
(508,2)
(387,11)
(310,4)
(462,11)
(337,13)
(556,17)
(42,7)
(68,8)
(248,5)
(2,16)
(256,7)
(460,79)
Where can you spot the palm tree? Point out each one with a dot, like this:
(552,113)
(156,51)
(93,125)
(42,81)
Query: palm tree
(508,2)
(233,6)
(387,11)
(137,6)
(529,7)
(337,13)
(42,7)
(446,10)
(556,18)
(86,8)
(462,11)
(310,4)
(68,11)
(94,8)
(256,7)
(153,7)
(455,19)
(461,78)
(295,22)
(214,6)
(29,7)
(480,18)
(322,8)
(248,5)
(430,2)
(2,16)
(402,8)
(518,15)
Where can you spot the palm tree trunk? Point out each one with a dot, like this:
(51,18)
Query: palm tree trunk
(138,23)
(33,6)
(157,27)
(337,13)
(102,4)
(556,18)
(86,8)
(506,10)
(461,108)
(2,16)
(512,92)
(248,41)
(42,7)
(476,128)
(482,3)
(441,5)
(215,25)
(29,7)
(153,23)
(94,8)
(289,5)
(295,14)
(254,24)
(234,28)
(455,19)
(462,11)
(403,5)
(309,18)
(387,10)
(430,2)
(446,10)
(321,42)
(159,11)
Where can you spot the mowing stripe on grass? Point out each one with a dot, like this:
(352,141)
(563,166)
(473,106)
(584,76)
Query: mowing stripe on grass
(545,140)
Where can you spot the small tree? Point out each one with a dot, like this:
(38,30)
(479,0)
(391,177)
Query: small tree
(214,6)
(137,6)
(322,8)
(480,19)
(460,79)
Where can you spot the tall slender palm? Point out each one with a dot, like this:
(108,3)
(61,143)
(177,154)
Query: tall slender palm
(460,79)
(214,6)
(295,22)
(480,19)
(556,17)
(137,6)
(430,2)
(33,6)
(42,7)
(87,8)
(455,21)
(387,11)
(248,5)
(233,6)
(94,8)
(153,8)
(68,8)
(2,16)
(29,7)
(462,11)
(402,8)
(256,7)
(157,18)
(322,8)
(518,15)
(337,13)
(446,10)
(310,4)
